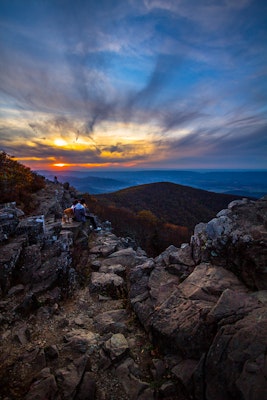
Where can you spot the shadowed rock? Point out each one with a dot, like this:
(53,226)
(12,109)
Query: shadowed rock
(110,284)
(199,305)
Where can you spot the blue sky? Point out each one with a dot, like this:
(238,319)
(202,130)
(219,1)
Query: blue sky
(134,83)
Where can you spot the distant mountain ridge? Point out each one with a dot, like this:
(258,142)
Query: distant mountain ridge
(243,183)
(93,184)
(170,202)
(158,215)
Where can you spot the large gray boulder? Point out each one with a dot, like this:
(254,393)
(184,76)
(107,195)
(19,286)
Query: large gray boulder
(236,239)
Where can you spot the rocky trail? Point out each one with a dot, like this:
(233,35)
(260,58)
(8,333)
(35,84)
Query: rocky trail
(89,345)
(87,315)
(91,342)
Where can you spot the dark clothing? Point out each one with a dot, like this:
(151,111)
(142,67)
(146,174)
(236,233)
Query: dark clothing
(92,220)
(89,216)
(79,213)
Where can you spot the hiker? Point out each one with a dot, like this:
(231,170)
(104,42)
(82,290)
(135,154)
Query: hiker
(89,216)
(79,212)
(56,180)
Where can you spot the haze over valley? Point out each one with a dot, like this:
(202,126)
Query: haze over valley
(241,183)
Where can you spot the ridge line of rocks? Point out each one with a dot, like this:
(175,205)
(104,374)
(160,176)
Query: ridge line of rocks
(199,305)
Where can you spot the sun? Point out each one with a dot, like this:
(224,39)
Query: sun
(60,142)
(59,165)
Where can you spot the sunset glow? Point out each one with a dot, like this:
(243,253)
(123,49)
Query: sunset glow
(134,84)
(60,142)
(59,165)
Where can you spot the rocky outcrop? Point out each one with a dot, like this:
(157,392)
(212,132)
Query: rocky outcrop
(89,315)
(236,240)
(213,319)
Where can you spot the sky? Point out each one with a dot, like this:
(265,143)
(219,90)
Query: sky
(141,84)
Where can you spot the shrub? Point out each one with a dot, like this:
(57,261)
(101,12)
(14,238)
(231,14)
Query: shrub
(17,182)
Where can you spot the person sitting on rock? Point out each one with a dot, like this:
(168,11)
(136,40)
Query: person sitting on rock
(79,212)
(89,216)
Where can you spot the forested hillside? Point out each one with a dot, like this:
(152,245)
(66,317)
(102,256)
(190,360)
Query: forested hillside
(177,204)
(158,214)
(17,182)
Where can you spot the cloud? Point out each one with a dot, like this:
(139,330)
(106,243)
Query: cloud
(210,15)
(191,72)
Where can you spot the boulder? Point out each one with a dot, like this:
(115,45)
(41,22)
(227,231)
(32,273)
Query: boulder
(109,284)
(183,256)
(181,323)
(114,269)
(161,284)
(9,258)
(164,257)
(31,261)
(184,371)
(236,239)
(234,304)
(87,389)
(112,321)
(235,366)
(80,341)
(9,220)
(139,277)
(126,257)
(43,387)
(70,378)
(103,250)
(33,228)
(127,372)
(116,346)
(21,333)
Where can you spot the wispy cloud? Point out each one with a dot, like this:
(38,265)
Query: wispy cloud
(187,78)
